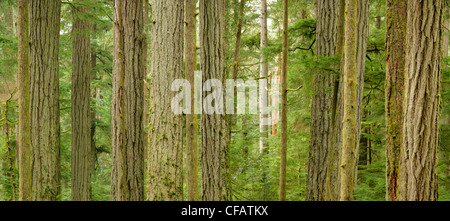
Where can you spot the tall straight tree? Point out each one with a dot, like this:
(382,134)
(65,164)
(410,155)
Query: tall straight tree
(418,180)
(350,102)
(335,157)
(165,167)
(396,15)
(327,13)
(81,137)
(190,52)
(24,102)
(283,92)
(127,151)
(44,20)
(214,153)
(263,72)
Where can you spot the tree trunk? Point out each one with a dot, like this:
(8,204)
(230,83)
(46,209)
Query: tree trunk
(395,75)
(81,140)
(24,102)
(418,180)
(327,13)
(349,105)
(334,162)
(214,159)
(44,23)
(191,119)
(127,180)
(263,72)
(165,169)
(283,92)
(94,94)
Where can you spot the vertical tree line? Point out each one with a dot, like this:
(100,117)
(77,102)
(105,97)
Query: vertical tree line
(157,154)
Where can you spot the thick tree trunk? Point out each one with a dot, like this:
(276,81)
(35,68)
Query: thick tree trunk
(214,160)
(44,20)
(327,13)
(165,169)
(263,72)
(81,140)
(418,180)
(191,119)
(127,179)
(283,92)
(24,102)
(396,15)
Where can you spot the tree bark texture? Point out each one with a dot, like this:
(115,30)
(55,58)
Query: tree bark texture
(327,13)
(418,179)
(396,15)
(44,20)
(127,151)
(191,119)
(165,168)
(81,137)
(214,154)
(24,102)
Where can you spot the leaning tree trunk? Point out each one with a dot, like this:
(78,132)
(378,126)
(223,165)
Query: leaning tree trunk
(327,13)
(127,151)
(214,159)
(395,74)
(165,162)
(418,180)
(44,23)
(81,139)
(24,102)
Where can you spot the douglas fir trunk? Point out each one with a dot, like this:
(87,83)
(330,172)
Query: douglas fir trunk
(44,21)
(165,163)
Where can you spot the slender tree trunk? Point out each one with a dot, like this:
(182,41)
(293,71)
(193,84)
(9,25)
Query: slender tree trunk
(334,163)
(127,180)
(81,140)
(214,159)
(263,73)
(418,180)
(395,75)
(24,102)
(283,126)
(349,106)
(94,94)
(165,147)
(44,23)
(191,119)
(321,128)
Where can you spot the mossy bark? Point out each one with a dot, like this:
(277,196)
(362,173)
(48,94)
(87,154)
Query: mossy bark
(395,74)
(191,119)
(24,102)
